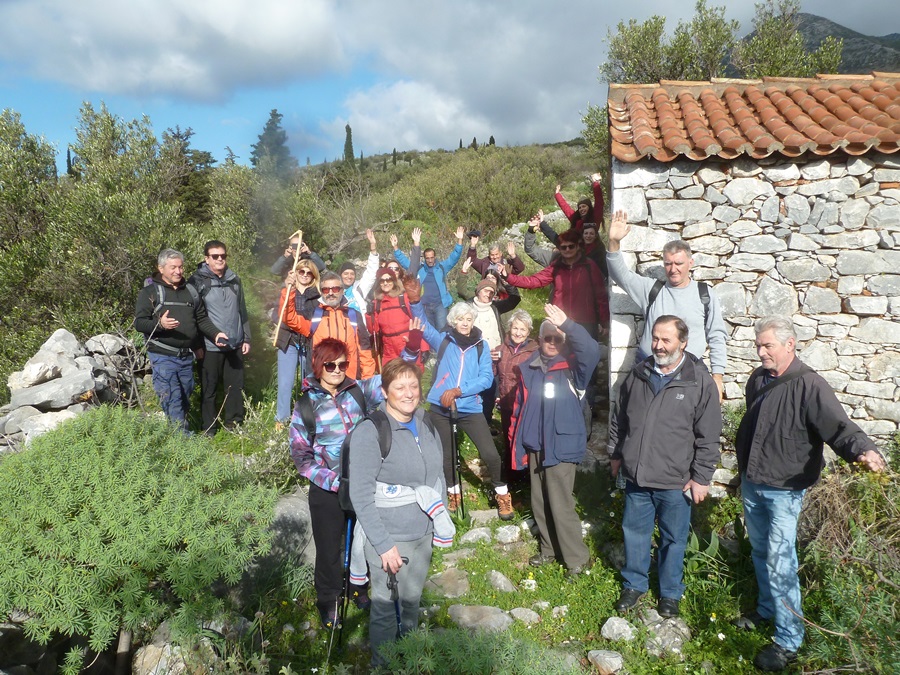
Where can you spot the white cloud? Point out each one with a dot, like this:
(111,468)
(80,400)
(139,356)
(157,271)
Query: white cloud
(196,50)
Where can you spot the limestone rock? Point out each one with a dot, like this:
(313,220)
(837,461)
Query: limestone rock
(14,420)
(885,284)
(821,301)
(647,239)
(848,185)
(63,342)
(800,242)
(525,615)
(665,211)
(475,535)
(55,394)
(507,534)
(871,305)
(105,343)
(709,175)
(480,617)
(633,202)
(775,174)
(774,298)
(616,628)
(852,240)
(627,175)
(726,214)
(482,517)
(499,581)
(797,208)
(819,356)
(668,637)
(559,611)
(877,331)
(712,245)
(732,298)
(884,217)
(884,410)
(453,558)
(698,229)
(853,214)
(451,583)
(764,243)
(38,425)
(32,374)
(751,262)
(803,270)
(606,662)
(743,228)
(742,191)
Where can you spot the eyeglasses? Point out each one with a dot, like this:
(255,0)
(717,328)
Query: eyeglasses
(393,268)
(386,280)
(331,289)
(304,273)
(553,339)
(567,247)
(331,366)
(219,256)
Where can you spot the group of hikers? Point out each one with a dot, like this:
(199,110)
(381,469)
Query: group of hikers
(384,474)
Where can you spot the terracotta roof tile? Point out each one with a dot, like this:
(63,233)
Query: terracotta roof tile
(852,114)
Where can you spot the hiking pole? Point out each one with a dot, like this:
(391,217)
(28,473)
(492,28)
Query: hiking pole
(395,596)
(298,233)
(455,461)
(341,602)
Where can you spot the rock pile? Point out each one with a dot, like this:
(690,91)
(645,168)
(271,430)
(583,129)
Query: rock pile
(63,379)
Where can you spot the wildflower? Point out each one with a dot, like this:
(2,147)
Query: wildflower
(612,514)
(721,636)
(740,658)
(712,617)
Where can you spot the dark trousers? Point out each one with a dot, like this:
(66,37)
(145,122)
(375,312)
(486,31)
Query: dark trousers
(553,507)
(510,475)
(328,527)
(477,428)
(227,367)
(489,401)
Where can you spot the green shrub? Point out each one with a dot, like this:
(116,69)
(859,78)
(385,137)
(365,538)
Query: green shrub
(115,520)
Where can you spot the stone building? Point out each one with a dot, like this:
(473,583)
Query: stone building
(788,191)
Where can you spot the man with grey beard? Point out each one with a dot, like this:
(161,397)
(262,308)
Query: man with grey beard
(664,438)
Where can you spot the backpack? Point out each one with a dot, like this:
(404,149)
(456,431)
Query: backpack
(443,348)
(702,289)
(161,298)
(382,425)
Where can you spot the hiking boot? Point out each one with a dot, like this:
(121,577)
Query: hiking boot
(504,507)
(667,607)
(750,621)
(541,559)
(628,599)
(360,597)
(774,657)
(329,617)
(454,499)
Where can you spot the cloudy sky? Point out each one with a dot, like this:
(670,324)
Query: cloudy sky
(404,73)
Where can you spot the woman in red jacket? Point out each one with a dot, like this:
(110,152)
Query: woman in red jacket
(390,317)
(578,286)
(585,212)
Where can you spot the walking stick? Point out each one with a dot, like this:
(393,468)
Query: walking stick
(341,602)
(395,596)
(455,461)
(298,233)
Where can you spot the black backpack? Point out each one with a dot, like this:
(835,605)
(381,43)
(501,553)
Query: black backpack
(382,425)
(702,290)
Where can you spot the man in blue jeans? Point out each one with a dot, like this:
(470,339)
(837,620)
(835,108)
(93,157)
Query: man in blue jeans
(664,437)
(791,413)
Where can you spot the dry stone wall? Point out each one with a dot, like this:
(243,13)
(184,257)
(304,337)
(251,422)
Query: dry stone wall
(816,239)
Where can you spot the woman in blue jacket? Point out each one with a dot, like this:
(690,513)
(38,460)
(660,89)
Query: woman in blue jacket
(548,434)
(463,370)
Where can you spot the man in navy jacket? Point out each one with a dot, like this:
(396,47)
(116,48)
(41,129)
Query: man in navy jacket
(548,434)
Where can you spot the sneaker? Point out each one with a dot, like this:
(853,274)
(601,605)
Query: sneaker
(540,559)
(774,657)
(667,607)
(454,499)
(750,620)
(360,597)
(505,507)
(628,599)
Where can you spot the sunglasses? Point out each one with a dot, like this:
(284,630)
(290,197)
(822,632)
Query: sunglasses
(331,289)
(393,268)
(386,280)
(553,339)
(567,247)
(304,273)
(331,366)
(219,256)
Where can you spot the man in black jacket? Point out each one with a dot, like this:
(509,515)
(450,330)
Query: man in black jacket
(791,413)
(172,315)
(664,438)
